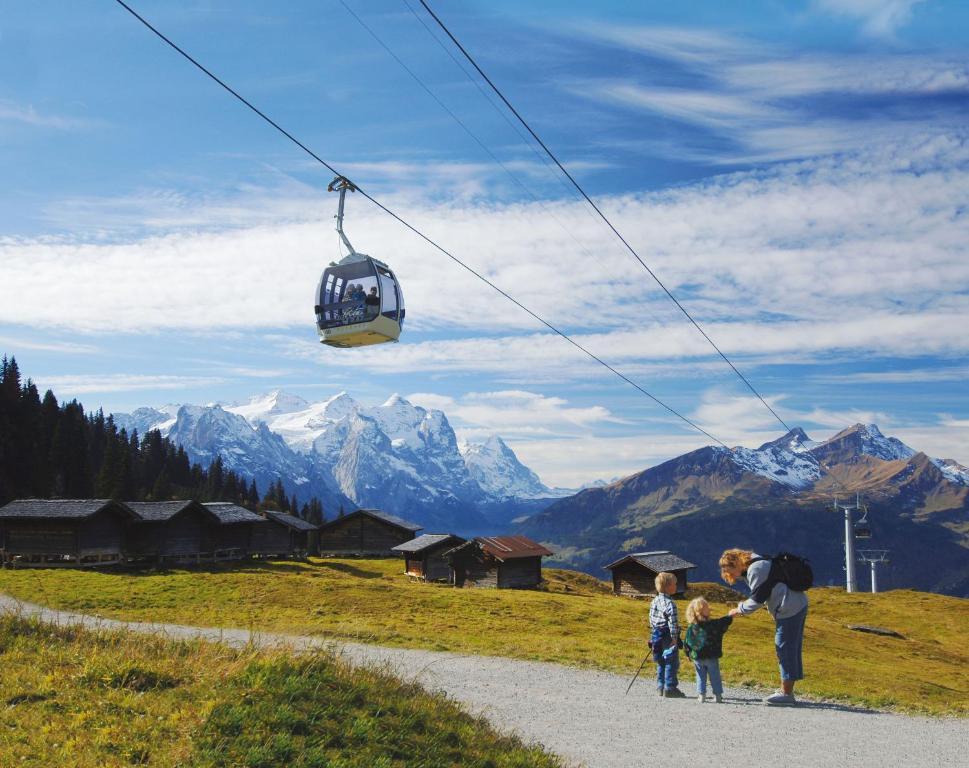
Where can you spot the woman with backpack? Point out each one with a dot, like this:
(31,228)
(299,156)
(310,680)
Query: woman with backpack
(767,580)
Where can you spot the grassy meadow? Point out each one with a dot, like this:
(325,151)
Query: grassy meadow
(574,620)
(90,700)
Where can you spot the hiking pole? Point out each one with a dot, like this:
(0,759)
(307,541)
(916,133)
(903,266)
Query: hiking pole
(645,659)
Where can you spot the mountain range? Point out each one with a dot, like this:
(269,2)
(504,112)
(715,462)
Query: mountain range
(778,497)
(397,456)
(406,460)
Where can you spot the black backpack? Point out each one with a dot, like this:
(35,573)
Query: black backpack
(785,568)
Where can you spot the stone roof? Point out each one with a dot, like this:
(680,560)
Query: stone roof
(229,513)
(376,514)
(159,511)
(661,560)
(427,541)
(60,509)
(297,523)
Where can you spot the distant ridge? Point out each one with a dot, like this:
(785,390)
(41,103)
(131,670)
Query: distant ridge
(776,497)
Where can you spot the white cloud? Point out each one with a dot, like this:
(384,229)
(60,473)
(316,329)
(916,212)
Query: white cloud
(28,115)
(77,384)
(880,18)
(515,413)
(771,103)
(12,344)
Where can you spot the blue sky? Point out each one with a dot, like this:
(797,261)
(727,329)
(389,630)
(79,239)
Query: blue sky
(797,173)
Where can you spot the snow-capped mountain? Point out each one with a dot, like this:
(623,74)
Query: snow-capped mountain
(396,456)
(798,462)
(496,468)
(773,498)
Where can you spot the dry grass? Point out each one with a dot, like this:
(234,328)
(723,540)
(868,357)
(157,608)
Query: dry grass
(88,700)
(573,620)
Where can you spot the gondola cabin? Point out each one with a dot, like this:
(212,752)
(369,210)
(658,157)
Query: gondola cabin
(359,302)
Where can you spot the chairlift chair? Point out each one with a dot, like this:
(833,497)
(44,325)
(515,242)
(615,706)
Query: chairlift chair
(862,527)
(358,299)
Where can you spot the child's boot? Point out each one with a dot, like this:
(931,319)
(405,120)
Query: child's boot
(701,698)
(718,697)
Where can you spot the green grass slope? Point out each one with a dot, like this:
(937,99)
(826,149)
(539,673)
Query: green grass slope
(89,700)
(574,620)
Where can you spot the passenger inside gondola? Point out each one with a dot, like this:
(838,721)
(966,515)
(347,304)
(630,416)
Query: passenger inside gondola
(372,302)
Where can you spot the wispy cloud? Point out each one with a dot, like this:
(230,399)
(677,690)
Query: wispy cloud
(879,18)
(516,413)
(121,382)
(27,114)
(765,103)
(12,344)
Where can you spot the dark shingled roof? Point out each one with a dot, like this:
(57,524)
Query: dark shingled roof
(160,511)
(76,509)
(659,561)
(376,514)
(427,541)
(292,521)
(232,513)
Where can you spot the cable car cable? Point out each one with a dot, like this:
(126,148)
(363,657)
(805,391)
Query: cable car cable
(585,251)
(498,110)
(588,199)
(414,229)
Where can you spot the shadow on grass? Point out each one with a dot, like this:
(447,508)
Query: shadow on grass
(347,568)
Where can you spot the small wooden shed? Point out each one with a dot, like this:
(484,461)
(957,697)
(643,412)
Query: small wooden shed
(75,532)
(424,556)
(232,537)
(170,530)
(635,575)
(365,532)
(284,535)
(502,562)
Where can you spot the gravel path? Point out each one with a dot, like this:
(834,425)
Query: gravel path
(585,717)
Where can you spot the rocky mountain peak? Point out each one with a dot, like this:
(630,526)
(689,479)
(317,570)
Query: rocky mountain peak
(796,440)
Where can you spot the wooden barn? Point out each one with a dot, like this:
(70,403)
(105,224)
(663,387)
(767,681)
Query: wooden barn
(170,530)
(236,530)
(424,556)
(503,562)
(365,532)
(284,536)
(634,575)
(78,532)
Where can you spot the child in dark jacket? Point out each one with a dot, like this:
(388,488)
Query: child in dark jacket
(704,646)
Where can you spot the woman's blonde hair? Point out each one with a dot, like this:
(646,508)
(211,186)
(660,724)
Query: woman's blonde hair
(694,611)
(734,558)
(663,580)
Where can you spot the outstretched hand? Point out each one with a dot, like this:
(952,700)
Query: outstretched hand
(734,612)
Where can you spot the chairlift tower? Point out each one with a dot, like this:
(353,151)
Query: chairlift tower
(874,557)
(861,530)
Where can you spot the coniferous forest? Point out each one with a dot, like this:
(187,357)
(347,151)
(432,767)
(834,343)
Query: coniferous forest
(55,450)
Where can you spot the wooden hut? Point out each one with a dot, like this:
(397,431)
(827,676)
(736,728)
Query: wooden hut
(75,532)
(170,530)
(283,536)
(365,532)
(634,575)
(503,562)
(231,538)
(424,556)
